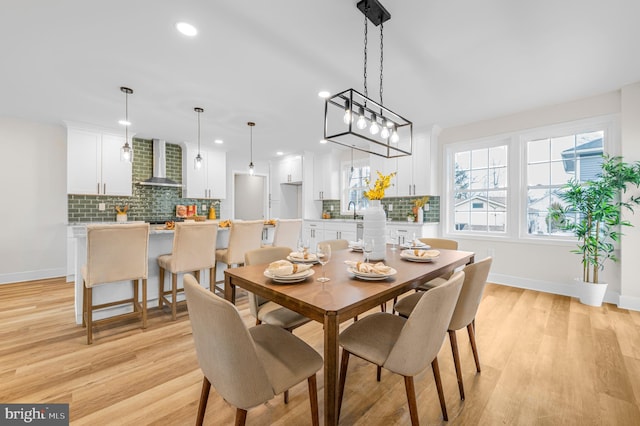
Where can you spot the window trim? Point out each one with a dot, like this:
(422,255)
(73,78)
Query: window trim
(344,165)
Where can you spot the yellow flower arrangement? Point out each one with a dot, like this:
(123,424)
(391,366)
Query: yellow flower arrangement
(419,202)
(382,183)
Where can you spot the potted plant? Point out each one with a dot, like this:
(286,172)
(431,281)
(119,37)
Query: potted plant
(418,203)
(597,207)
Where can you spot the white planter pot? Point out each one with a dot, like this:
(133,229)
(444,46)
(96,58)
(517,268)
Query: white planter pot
(592,294)
(375,227)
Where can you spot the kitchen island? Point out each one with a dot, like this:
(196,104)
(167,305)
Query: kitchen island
(160,242)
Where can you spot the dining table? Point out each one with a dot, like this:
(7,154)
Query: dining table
(341,298)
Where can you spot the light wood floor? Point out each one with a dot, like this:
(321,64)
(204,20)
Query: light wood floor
(546,359)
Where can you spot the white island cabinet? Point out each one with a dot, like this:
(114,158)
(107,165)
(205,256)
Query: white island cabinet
(94,166)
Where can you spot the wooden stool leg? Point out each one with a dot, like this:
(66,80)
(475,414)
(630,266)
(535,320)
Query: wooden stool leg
(471,329)
(89,316)
(84,304)
(241,417)
(197,275)
(313,399)
(136,295)
(204,397)
(456,361)
(411,399)
(436,376)
(144,303)
(174,293)
(212,279)
(161,288)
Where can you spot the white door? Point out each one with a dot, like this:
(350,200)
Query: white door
(249,196)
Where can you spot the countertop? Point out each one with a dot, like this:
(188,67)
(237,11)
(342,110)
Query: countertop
(389,222)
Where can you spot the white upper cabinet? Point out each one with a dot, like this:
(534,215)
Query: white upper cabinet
(210,181)
(290,169)
(94,166)
(326,177)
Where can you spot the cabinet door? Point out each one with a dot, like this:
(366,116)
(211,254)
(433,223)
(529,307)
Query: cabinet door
(83,162)
(217,174)
(319,178)
(404,178)
(295,169)
(195,180)
(116,173)
(421,159)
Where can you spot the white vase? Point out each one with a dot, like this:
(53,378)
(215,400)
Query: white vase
(121,217)
(375,227)
(592,294)
(420,215)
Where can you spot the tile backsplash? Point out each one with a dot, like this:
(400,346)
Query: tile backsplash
(147,202)
(401,207)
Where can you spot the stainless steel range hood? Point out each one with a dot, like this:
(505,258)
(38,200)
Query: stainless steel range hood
(159,177)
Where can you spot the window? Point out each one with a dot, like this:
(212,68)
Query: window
(353,185)
(552,162)
(509,186)
(480,189)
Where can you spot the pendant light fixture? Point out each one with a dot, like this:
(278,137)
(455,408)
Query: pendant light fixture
(251,124)
(198,161)
(376,129)
(126,152)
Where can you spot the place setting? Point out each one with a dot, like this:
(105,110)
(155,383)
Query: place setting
(369,271)
(419,255)
(415,244)
(286,272)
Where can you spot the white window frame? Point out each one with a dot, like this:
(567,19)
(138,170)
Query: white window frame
(345,169)
(516,217)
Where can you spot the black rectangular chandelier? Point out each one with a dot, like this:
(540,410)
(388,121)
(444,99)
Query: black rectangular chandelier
(356,121)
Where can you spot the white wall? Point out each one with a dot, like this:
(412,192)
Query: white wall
(33,194)
(551,266)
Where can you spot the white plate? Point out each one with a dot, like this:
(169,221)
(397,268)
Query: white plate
(408,255)
(370,275)
(357,249)
(300,260)
(414,247)
(293,278)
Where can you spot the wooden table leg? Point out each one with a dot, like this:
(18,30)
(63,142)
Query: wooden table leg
(229,290)
(331,353)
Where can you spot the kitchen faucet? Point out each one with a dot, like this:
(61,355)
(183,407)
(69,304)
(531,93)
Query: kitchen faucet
(354,208)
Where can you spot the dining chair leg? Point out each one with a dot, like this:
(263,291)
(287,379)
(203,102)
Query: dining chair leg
(313,399)
(241,417)
(456,361)
(204,397)
(411,398)
(393,308)
(136,295)
(471,329)
(84,304)
(144,303)
(383,307)
(174,294)
(286,396)
(89,315)
(160,287)
(344,363)
(436,376)
(212,279)
(378,372)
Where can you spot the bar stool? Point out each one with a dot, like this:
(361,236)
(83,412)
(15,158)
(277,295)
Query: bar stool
(194,246)
(287,233)
(115,253)
(244,235)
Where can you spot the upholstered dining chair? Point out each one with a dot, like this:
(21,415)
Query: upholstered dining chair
(336,244)
(247,367)
(287,233)
(404,346)
(262,309)
(194,249)
(464,315)
(115,253)
(243,236)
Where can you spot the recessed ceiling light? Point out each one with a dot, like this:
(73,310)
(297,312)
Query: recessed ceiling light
(218,141)
(323,141)
(324,94)
(279,153)
(186,29)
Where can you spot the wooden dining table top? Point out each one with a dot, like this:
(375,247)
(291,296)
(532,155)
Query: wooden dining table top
(345,294)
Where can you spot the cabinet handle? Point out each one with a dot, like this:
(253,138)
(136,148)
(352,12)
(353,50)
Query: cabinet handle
(414,189)
(98,188)
(104,188)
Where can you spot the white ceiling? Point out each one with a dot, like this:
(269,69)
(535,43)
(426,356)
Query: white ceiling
(447,62)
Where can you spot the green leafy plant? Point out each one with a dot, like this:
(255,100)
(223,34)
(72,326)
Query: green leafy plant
(598,204)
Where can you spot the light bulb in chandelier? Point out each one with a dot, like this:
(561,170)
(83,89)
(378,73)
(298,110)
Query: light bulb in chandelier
(384,133)
(362,120)
(394,135)
(374,129)
(347,112)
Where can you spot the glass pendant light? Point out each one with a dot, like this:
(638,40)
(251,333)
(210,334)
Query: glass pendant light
(251,124)
(126,152)
(197,163)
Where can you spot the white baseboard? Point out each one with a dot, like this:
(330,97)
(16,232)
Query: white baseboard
(41,274)
(565,289)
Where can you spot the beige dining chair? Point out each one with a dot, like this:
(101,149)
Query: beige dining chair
(336,244)
(404,346)
(287,233)
(194,249)
(243,236)
(247,367)
(262,309)
(464,315)
(115,253)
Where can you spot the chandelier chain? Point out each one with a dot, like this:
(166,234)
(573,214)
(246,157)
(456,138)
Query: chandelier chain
(381,60)
(365,48)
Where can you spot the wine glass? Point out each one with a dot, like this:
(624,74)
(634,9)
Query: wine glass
(323,253)
(393,234)
(367,248)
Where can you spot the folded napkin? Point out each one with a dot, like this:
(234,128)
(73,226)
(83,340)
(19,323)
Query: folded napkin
(282,268)
(425,253)
(355,243)
(302,255)
(369,268)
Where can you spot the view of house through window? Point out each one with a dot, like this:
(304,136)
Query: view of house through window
(480,189)
(552,162)
(354,176)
